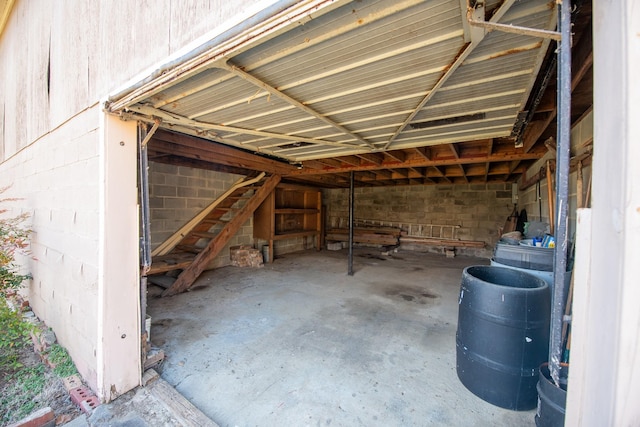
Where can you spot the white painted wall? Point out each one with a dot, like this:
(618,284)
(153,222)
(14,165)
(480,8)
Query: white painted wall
(58,60)
(604,378)
(119,324)
(56,180)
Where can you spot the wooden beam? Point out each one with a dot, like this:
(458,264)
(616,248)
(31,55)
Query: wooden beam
(425,152)
(415,173)
(513,165)
(202,260)
(582,56)
(350,160)
(202,149)
(397,155)
(464,174)
(366,176)
(181,410)
(442,174)
(330,162)
(200,164)
(386,174)
(375,158)
(455,150)
(502,155)
(399,174)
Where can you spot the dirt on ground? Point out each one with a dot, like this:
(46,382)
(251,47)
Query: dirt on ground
(32,386)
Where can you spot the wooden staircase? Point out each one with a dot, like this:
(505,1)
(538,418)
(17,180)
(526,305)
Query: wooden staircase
(195,245)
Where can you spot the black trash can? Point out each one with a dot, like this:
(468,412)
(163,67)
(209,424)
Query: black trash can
(551,398)
(503,334)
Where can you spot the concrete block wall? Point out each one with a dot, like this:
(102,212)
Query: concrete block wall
(478,209)
(57,183)
(286,246)
(178,193)
(581,140)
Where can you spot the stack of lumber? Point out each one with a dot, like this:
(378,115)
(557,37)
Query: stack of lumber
(383,236)
(434,241)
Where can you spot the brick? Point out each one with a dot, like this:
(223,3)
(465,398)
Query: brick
(41,418)
(80,394)
(89,404)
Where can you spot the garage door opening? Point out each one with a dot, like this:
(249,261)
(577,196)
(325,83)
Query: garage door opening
(445,130)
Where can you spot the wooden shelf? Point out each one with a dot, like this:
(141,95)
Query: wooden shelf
(292,234)
(288,213)
(295,211)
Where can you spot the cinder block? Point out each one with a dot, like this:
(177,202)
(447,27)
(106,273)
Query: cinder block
(72,382)
(187,192)
(163,191)
(175,203)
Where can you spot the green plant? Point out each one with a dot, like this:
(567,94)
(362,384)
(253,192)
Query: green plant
(60,359)
(14,239)
(15,335)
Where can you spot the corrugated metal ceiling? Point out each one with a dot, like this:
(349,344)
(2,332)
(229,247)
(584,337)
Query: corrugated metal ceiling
(359,77)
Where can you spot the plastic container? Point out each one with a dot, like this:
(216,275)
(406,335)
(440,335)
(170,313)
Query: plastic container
(547,276)
(524,256)
(503,335)
(551,399)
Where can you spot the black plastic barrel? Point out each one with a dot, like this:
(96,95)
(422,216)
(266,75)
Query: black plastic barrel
(503,334)
(551,398)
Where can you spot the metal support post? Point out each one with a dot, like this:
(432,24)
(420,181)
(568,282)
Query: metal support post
(562,188)
(351,219)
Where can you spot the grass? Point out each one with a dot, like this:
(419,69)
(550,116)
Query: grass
(59,358)
(20,382)
(26,383)
(17,400)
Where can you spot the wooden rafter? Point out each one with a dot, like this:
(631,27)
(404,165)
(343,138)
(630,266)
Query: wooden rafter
(425,152)
(582,58)
(507,155)
(375,158)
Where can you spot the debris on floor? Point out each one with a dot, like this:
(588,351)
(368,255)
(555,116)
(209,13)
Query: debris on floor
(245,256)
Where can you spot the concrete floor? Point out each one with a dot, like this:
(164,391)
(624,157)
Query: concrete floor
(299,342)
